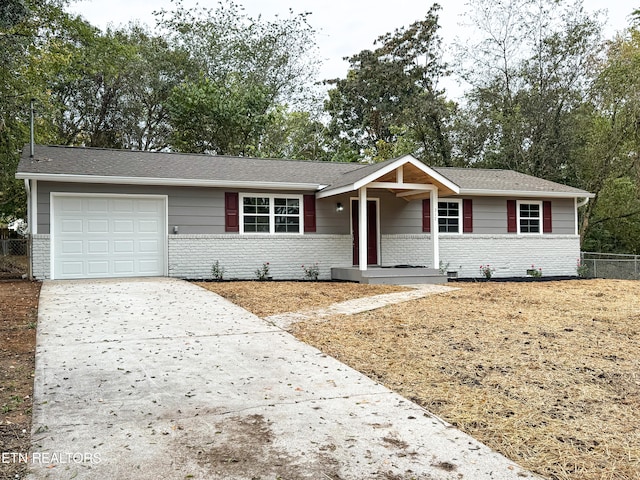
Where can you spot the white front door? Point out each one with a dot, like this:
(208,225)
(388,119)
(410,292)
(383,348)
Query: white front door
(99,236)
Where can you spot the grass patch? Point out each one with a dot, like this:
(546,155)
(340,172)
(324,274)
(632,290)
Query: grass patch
(272,298)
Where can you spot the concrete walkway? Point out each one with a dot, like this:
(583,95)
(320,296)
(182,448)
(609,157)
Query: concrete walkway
(358,305)
(159,378)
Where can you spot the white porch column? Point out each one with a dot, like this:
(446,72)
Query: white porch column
(435,241)
(362,228)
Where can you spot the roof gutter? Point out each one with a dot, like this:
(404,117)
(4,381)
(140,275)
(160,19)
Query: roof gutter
(525,194)
(52,177)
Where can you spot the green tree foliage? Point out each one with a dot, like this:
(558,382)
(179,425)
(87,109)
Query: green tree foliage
(225,118)
(109,89)
(12,12)
(25,25)
(294,135)
(614,226)
(392,93)
(213,80)
(248,68)
(528,74)
(278,54)
(610,160)
(544,97)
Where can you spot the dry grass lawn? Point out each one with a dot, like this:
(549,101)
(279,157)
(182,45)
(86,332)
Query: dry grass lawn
(270,298)
(546,373)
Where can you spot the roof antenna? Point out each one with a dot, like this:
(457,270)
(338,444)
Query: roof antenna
(32,145)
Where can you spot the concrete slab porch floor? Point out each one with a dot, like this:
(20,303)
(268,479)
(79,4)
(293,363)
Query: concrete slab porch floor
(158,378)
(396,275)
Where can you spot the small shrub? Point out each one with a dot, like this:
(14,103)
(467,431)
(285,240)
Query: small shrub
(262,273)
(217,272)
(582,270)
(443,268)
(487,270)
(311,272)
(534,272)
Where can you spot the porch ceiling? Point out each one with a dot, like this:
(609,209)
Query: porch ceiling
(407,177)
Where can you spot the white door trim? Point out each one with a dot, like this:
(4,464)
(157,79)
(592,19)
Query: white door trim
(379,229)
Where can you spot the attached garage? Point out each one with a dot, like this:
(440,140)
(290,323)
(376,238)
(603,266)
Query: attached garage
(102,236)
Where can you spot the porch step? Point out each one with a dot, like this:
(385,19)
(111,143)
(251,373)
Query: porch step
(389,276)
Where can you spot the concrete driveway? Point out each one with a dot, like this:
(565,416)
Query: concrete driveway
(158,378)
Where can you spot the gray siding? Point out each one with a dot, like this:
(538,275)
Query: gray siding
(397,216)
(490,215)
(198,210)
(563,216)
(194,210)
(330,222)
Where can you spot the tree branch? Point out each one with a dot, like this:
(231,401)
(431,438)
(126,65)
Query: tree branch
(626,215)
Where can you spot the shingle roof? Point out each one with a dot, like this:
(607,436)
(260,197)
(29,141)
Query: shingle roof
(474,179)
(54,161)
(365,170)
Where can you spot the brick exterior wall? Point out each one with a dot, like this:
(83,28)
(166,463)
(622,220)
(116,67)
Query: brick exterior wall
(406,249)
(40,256)
(191,256)
(510,255)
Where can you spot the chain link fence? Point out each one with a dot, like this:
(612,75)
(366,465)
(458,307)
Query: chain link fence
(14,257)
(610,265)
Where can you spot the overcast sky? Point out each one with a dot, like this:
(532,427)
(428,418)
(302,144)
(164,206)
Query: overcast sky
(345,27)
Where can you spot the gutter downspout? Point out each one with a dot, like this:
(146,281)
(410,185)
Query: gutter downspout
(579,204)
(583,202)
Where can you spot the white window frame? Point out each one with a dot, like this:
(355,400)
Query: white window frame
(272,215)
(540,218)
(450,200)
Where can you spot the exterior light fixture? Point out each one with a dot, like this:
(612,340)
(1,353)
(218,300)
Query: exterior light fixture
(175,229)
(339,207)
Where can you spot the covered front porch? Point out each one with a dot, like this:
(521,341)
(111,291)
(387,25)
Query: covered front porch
(408,180)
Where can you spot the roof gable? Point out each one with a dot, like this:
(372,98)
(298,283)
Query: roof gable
(391,174)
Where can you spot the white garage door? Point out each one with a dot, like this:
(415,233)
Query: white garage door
(98,236)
